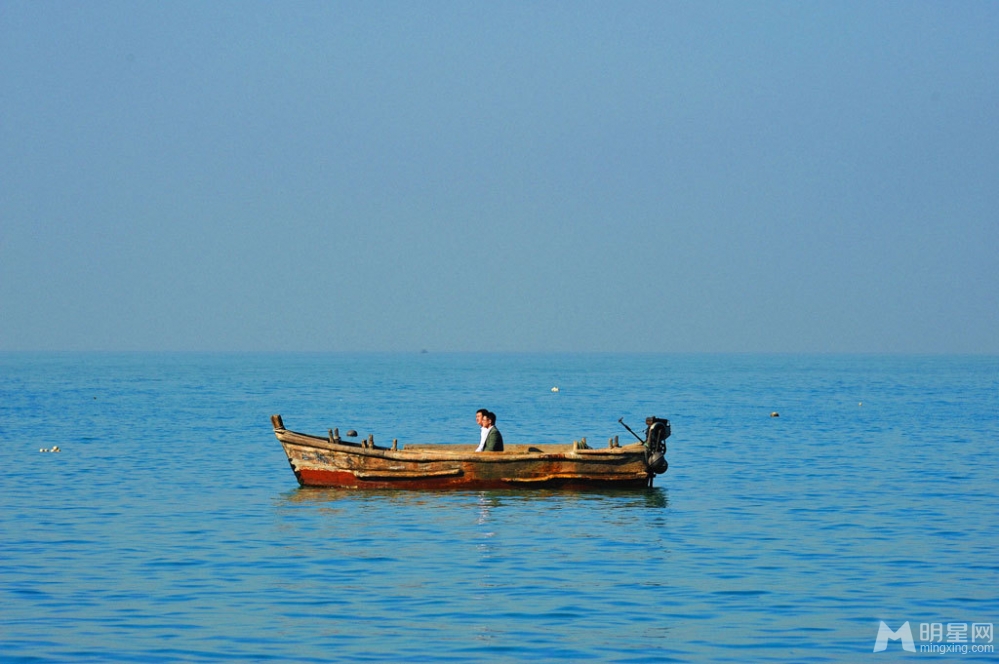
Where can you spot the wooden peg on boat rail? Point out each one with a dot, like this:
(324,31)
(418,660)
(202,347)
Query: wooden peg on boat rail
(395,444)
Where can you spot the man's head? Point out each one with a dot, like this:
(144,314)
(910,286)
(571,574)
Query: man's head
(480,416)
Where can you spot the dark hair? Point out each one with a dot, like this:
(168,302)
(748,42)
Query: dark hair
(492,416)
(482,411)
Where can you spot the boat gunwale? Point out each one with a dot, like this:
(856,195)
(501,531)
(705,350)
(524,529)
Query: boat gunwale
(440,453)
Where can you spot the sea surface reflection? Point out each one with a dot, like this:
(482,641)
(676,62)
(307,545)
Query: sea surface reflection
(170,528)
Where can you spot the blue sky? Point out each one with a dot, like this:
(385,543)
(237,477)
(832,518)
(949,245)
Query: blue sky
(537,176)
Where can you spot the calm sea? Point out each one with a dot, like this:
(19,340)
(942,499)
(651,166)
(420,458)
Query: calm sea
(170,527)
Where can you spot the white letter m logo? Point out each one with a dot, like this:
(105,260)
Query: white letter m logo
(885,634)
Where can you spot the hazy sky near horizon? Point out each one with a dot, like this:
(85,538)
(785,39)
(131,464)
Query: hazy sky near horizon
(511,176)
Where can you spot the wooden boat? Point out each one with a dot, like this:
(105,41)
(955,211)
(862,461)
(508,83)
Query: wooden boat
(335,462)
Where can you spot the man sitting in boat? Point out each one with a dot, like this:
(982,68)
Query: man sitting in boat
(493,441)
(480,415)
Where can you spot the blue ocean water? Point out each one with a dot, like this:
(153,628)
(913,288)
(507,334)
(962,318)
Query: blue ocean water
(170,527)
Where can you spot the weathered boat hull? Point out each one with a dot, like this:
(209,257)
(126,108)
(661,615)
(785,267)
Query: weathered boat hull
(329,462)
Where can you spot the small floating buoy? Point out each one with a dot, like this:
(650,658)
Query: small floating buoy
(775,414)
(555,389)
(56,449)
(861,403)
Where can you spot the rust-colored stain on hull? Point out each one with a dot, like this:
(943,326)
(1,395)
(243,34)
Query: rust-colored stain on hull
(331,462)
(338,479)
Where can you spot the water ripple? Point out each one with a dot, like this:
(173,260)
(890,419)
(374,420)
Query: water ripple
(170,530)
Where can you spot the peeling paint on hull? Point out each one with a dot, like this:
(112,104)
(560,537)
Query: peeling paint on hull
(346,480)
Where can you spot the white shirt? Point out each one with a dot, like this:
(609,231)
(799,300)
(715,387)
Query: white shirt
(482,439)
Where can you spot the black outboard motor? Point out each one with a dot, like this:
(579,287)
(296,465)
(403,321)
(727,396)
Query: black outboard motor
(656,432)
